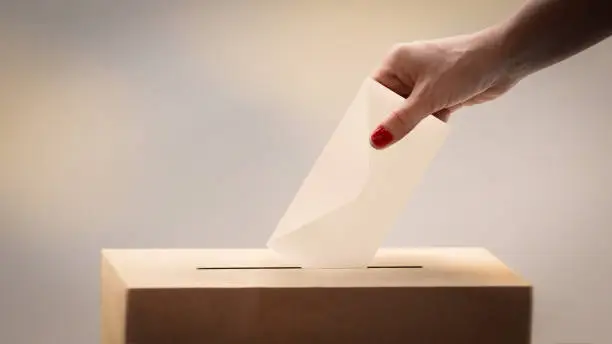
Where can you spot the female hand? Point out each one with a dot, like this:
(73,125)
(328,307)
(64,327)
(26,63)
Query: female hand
(438,77)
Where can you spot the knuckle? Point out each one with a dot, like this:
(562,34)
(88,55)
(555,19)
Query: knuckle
(400,50)
(402,118)
(396,48)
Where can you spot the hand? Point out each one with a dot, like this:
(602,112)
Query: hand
(438,77)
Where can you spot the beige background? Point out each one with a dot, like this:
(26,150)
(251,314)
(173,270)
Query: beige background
(192,123)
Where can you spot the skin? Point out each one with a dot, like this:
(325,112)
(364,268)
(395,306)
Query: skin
(440,76)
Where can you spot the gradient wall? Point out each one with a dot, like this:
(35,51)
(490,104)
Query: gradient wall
(192,123)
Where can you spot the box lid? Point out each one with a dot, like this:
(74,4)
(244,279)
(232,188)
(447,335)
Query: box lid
(262,268)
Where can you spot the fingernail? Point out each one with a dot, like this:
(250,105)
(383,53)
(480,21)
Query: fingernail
(381,137)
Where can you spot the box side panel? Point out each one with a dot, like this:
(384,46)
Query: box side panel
(458,315)
(112,305)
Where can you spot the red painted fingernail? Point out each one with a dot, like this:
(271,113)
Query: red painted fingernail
(381,137)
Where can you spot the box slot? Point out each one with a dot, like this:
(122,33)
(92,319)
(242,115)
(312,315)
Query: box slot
(297,267)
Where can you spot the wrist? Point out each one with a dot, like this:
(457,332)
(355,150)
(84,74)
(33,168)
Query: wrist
(495,47)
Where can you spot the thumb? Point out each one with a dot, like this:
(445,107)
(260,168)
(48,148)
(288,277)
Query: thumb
(400,123)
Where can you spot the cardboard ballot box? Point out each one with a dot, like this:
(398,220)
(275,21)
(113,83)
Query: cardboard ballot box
(428,296)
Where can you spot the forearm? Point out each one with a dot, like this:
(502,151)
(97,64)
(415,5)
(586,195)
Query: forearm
(544,32)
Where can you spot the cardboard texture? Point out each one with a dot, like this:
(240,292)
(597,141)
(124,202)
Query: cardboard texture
(421,295)
(354,191)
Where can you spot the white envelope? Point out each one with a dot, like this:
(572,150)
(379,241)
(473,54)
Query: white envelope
(354,194)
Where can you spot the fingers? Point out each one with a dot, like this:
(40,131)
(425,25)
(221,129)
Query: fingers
(392,82)
(401,122)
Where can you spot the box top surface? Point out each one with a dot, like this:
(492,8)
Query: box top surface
(262,268)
